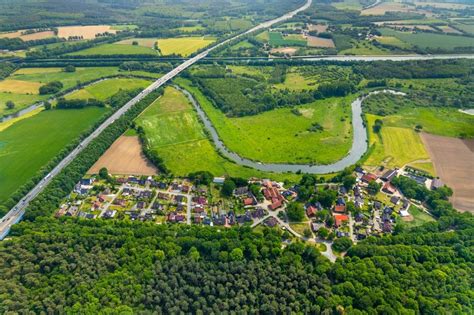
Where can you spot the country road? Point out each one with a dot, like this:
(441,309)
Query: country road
(16,213)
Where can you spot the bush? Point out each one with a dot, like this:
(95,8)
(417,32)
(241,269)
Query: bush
(51,88)
(342,244)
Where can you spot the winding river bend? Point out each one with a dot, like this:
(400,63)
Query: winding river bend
(358,149)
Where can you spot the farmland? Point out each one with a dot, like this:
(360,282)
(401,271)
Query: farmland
(30,144)
(124,157)
(276,39)
(84,32)
(173,130)
(453,161)
(281,136)
(115,49)
(22,86)
(429,40)
(105,89)
(395,146)
(183,46)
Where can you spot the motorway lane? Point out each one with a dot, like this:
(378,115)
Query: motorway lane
(16,213)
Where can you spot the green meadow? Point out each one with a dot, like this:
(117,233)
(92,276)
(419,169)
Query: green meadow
(281,135)
(115,49)
(105,89)
(174,131)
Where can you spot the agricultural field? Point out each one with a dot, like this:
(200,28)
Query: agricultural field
(394,147)
(85,32)
(295,81)
(385,7)
(174,130)
(281,136)
(454,163)
(363,47)
(105,89)
(277,39)
(24,152)
(115,49)
(430,40)
(145,42)
(27,37)
(22,86)
(183,46)
(124,157)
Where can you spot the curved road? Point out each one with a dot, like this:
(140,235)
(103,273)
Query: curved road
(358,149)
(16,213)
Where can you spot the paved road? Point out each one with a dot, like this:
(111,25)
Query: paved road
(15,214)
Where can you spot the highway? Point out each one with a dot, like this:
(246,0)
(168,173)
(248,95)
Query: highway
(17,212)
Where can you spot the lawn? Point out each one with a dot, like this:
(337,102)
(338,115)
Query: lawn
(419,217)
(20,100)
(430,40)
(30,144)
(105,89)
(365,48)
(175,133)
(115,49)
(281,136)
(395,147)
(183,46)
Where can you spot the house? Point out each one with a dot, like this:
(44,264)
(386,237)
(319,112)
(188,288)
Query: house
(163,196)
(157,206)
(436,184)
(395,200)
(271,222)
(389,175)
(377,205)
(72,211)
(340,201)
(120,202)
(179,198)
(218,180)
(200,200)
(126,191)
(141,205)
(387,227)
(367,178)
(311,211)
(359,170)
(358,202)
(340,219)
(249,201)
(180,207)
(342,190)
(198,209)
(241,191)
(356,190)
(316,226)
(277,204)
(109,214)
(340,208)
(134,215)
(146,194)
(162,185)
(174,217)
(87,181)
(185,189)
(389,188)
(258,213)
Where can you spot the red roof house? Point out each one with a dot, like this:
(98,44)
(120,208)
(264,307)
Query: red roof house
(369,177)
(340,219)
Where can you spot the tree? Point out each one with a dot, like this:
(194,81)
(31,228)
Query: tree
(47,105)
(377,125)
(10,105)
(70,68)
(348,181)
(228,187)
(373,187)
(323,233)
(295,211)
(104,173)
(342,244)
(135,43)
(236,254)
(307,233)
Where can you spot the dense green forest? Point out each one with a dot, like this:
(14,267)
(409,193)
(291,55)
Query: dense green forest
(78,266)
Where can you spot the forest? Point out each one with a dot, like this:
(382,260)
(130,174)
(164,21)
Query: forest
(72,266)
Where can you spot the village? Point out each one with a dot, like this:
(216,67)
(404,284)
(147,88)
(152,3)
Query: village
(372,206)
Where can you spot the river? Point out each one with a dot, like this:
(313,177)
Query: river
(358,149)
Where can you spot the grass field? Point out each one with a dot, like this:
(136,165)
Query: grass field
(418,217)
(294,81)
(183,46)
(429,40)
(395,147)
(115,49)
(105,89)
(364,48)
(29,144)
(276,39)
(145,42)
(281,136)
(20,100)
(175,133)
